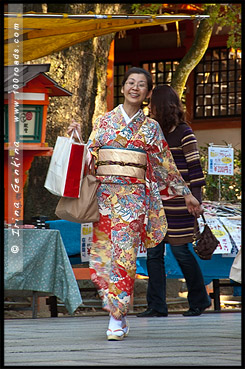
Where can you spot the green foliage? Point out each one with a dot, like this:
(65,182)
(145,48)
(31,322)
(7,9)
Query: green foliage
(146,8)
(222,15)
(230,186)
(227,15)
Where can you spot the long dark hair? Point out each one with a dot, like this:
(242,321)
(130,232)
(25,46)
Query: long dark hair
(166,107)
(139,71)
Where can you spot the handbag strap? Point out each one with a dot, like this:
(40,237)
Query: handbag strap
(204,220)
(91,166)
(195,222)
(195,227)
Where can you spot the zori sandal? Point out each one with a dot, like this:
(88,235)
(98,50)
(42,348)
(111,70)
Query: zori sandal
(126,328)
(116,335)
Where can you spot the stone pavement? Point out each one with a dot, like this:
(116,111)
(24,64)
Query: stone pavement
(212,339)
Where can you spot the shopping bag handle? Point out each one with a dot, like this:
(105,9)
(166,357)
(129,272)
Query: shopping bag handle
(91,166)
(74,130)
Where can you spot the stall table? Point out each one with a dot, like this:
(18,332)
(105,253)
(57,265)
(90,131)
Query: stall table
(213,270)
(216,269)
(36,260)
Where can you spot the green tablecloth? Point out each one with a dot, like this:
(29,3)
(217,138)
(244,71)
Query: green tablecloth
(36,260)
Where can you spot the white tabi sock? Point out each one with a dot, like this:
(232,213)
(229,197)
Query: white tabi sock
(114,324)
(125,325)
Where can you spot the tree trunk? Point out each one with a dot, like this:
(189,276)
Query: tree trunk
(32,8)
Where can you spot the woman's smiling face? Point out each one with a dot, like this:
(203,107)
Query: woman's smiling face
(135,89)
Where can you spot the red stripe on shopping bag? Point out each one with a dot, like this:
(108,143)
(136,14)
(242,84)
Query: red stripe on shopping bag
(74,171)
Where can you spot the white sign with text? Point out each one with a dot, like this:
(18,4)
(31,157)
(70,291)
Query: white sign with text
(220,160)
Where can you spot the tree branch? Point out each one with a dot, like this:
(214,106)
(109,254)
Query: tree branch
(193,56)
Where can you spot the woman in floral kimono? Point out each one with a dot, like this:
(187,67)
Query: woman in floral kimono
(135,166)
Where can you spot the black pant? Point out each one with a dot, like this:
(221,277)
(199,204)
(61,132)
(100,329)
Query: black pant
(156,291)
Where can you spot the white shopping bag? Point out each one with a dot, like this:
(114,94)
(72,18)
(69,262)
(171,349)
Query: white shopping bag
(66,168)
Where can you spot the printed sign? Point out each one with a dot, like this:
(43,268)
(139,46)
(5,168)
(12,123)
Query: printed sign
(233,227)
(86,240)
(220,161)
(141,252)
(27,123)
(228,234)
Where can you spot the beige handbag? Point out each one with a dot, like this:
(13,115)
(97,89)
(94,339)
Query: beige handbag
(84,209)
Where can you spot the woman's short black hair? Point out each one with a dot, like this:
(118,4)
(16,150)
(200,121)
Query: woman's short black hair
(139,71)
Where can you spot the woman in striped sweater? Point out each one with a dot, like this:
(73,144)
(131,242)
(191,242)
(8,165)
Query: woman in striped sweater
(166,108)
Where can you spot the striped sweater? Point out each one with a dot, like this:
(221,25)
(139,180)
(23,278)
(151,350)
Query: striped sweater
(183,145)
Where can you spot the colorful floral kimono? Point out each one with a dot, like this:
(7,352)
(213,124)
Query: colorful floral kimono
(130,204)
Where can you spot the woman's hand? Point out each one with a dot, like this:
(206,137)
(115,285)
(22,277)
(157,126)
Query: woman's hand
(74,126)
(193,205)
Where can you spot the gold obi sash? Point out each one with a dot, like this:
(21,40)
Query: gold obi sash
(121,162)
